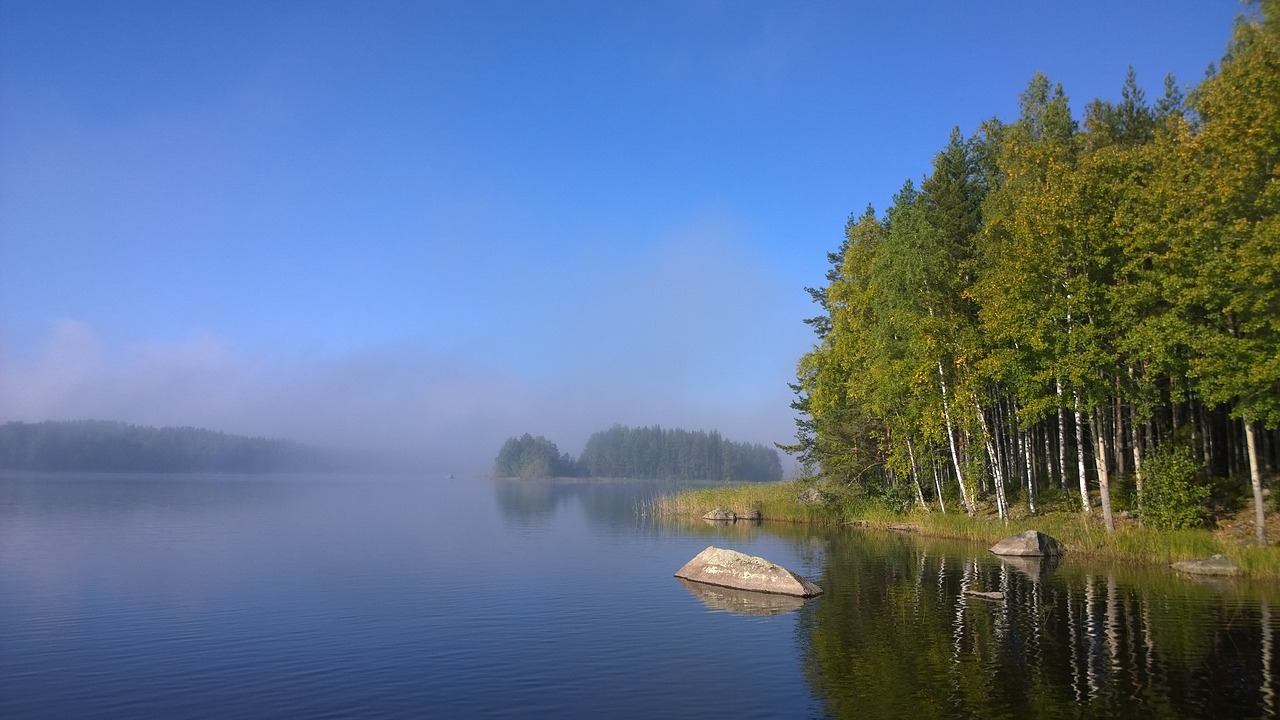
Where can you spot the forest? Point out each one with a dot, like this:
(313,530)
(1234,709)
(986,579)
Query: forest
(1076,312)
(642,452)
(104,446)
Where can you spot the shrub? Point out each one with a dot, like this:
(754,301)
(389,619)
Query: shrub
(1171,498)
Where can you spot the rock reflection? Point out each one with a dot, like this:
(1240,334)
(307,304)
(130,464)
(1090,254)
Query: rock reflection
(741,602)
(1034,568)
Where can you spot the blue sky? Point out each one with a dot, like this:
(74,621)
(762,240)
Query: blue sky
(427,226)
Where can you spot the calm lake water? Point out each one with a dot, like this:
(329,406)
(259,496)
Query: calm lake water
(226,596)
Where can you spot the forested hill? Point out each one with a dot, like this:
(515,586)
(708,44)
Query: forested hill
(102,446)
(643,452)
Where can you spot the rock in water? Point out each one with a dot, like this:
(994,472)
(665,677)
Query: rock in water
(721,514)
(732,569)
(1212,565)
(1031,542)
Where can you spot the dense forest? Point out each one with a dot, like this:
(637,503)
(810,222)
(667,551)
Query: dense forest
(642,452)
(101,446)
(1067,308)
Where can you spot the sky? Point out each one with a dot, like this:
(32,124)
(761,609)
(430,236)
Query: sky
(424,227)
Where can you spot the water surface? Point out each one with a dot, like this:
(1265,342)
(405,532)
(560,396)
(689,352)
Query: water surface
(316,596)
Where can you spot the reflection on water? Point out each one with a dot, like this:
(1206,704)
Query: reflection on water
(603,501)
(1034,568)
(742,602)
(124,596)
(896,632)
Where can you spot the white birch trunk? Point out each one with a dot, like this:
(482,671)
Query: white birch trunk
(937,482)
(1001,507)
(969,506)
(1100,462)
(1062,437)
(1084,483)
(1137,461)
(1031,481)
(1255,475)
(915,475)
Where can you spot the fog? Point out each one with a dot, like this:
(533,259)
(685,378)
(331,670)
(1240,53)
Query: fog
(694,334)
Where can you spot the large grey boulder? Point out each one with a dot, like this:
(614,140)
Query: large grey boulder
(1212,565)
(732,569)
(1029,543)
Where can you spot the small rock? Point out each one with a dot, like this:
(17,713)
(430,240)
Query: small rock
(721,514)
(993,596)
(1031,542)
(810,496)
(1212,565)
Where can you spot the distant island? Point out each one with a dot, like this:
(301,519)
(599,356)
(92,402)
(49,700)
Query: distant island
(105,446)
(641,452)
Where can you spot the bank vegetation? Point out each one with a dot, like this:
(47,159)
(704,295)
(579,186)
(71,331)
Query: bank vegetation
(1067,307)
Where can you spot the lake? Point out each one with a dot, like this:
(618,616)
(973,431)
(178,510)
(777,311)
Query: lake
(319,596)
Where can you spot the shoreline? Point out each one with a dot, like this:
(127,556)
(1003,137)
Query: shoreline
(1079,534)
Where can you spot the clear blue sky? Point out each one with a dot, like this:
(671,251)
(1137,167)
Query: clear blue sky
(431,225)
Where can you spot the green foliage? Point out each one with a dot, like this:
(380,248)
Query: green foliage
(1127,273)
(531,458)
(102,446)
(1172,498)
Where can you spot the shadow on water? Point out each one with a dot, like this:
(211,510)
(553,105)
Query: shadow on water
(897,632)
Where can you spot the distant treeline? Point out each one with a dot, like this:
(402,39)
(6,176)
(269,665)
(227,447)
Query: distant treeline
(103,446)
(643,452)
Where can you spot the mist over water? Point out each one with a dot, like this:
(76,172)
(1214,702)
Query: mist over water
(440,410)
(398,596)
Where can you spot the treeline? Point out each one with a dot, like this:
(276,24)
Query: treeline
(673,454)
(103,446)
(532,457)
(1066,304)
(642,452)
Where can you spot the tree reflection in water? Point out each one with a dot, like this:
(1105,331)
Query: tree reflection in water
(897,634)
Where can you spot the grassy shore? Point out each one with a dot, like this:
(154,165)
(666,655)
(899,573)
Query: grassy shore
(1078,533)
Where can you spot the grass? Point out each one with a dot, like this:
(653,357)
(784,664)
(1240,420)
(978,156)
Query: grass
(1079,534)
(775,501)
